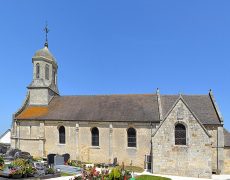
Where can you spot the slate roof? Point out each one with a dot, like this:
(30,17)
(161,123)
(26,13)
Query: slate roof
(33,112)
(201,105)
(138,108)
(226,138)
(99,108)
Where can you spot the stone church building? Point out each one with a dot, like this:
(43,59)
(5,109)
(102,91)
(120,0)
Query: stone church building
(179,134)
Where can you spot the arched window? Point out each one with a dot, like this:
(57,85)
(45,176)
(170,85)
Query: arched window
(95,136)
(180,134)
(62,135)
(37,70)
(131,134)
(47,74)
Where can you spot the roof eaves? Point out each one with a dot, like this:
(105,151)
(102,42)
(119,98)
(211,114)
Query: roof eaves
(25,103)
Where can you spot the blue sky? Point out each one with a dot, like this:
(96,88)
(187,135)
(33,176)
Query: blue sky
(117,47)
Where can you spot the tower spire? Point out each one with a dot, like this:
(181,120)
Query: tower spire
(46,32)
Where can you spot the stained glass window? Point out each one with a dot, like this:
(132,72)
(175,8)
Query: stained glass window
(180,134)
(95,136)
(131,133)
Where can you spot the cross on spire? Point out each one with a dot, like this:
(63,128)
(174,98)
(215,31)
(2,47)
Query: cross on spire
(46,31)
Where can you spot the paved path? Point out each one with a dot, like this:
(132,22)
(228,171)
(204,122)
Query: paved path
(64,178)
(221,177)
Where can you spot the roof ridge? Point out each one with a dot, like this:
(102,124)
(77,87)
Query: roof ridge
(106,95)
(184,94)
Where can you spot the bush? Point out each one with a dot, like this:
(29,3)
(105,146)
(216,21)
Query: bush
(30,170)
(50,171)
(115,174)
(21,163)
(16,172)
(1,163)
(22,166)
(72,163)
(78,178)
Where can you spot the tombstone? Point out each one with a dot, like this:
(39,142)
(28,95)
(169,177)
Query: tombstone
(12,152)
(50,159)
(58,160)
(66,157)
(115,161)
(3,149)
(25,155)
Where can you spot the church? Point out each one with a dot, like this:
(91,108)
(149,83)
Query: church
(177,134)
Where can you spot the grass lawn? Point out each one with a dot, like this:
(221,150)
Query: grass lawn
(147,177)
(134,168)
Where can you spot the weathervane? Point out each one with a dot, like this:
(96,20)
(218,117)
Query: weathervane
(46,31)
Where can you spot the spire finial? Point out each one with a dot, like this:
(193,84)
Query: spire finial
(46,31)
(210,91)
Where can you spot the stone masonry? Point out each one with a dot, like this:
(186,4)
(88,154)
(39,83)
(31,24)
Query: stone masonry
(192,159)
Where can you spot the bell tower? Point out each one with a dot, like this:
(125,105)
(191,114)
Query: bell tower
(44,84)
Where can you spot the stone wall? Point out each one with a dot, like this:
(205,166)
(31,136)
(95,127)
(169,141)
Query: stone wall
(194,158)
(112,141)
(213,132)
(216,131)
(39,97)
(31,146)
(227,160)
(52,144)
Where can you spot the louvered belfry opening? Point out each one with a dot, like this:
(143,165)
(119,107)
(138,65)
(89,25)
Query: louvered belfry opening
(180,134)
(62,135)
(131,133)
(47,70)
(95,136)
(37,70)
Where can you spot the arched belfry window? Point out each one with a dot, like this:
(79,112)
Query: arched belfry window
(131,134)
(61,135)
(180,134)
(95,136)
(47,69)
(37,70)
